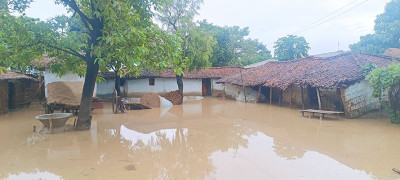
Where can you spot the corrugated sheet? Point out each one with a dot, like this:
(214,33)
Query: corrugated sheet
(315,71)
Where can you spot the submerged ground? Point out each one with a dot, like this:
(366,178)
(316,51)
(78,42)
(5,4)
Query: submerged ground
(201,139)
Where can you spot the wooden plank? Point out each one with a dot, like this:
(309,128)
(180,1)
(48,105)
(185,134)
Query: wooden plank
(302,96)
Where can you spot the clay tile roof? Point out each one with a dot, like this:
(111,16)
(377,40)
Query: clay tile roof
(42,63)
(325,72)
(10,75)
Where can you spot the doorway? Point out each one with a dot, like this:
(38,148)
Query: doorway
(11,95)
(206,87)
(312,93)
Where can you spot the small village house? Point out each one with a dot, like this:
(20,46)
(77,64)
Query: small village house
(333,82)
(196,83)
(64,90)
(16,90)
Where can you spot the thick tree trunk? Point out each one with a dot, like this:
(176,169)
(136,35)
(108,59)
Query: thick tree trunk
(117,83)
(179,81)
(85,114)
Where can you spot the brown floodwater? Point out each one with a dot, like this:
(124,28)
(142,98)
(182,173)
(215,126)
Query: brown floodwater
(201,139)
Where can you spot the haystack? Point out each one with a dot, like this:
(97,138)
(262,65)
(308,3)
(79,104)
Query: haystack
(152,100)
(175,97)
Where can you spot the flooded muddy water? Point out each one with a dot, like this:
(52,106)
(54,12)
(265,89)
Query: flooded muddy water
(209,138)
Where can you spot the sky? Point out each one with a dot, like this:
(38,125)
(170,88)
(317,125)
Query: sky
(331,25)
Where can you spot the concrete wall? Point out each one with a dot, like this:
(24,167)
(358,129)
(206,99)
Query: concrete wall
(357,99)
(237,93)
(217,89)
(106,88)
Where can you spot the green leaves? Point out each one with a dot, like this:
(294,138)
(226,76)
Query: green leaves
(291,47)
(387,31)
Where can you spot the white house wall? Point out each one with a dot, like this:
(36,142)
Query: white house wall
(50,77)
(137,87)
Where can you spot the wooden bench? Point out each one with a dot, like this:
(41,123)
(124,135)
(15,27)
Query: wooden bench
(320,112)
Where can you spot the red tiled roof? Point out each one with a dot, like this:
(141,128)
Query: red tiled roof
(315,71)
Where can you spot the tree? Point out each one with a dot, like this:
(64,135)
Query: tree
(387,79)
(387,31)
(233,48)
(177,16)
(291,47)
(99,33)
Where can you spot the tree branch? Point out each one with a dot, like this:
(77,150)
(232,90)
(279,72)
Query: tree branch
(68,50)
(72,4)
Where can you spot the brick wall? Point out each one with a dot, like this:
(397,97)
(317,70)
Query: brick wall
(357,99)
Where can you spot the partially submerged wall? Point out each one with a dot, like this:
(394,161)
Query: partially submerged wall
(294,93)
(3,96)
(237,93)
(331,99)
(357,99)
(137,87)
(64,90)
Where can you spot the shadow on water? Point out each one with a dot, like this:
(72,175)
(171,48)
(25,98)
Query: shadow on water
(201,139)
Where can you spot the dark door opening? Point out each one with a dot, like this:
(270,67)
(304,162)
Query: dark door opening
(312,93)
(11,96)
(206,87)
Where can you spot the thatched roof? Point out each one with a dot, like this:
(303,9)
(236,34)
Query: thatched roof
(393,52)
(322,72)
(11,75)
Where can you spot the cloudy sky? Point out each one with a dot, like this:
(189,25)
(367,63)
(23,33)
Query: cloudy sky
(328,25)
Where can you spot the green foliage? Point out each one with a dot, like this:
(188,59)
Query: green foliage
(387,31)
(367,68)
(233,48)
(387,80)
(291,47)
(177,16)
(384,78)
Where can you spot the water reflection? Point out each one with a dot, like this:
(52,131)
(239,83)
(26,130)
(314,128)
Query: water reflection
(202,139)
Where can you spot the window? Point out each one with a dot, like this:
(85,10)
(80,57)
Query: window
(151,81)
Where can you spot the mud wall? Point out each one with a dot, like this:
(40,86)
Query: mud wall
(331,99)
(137,87)
(295,92)
(23,88)
(237,93)
(3,96)
(217,89)
(358,99)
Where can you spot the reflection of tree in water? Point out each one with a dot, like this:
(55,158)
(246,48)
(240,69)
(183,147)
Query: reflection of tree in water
(287,149)
(187,154)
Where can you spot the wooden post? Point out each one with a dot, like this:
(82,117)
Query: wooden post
(302,96)
(319,99)
(244,89)
(270,95)
(290,100)
(259,92)
(280,98)
(51,123)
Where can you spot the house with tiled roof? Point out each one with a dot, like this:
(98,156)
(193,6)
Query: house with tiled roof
(195,83)
(336,79)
